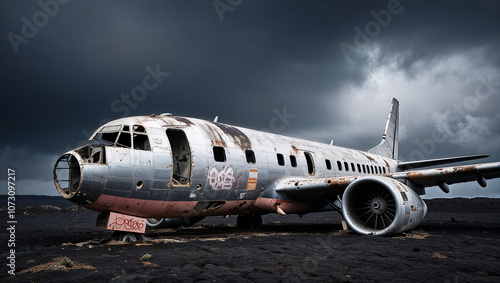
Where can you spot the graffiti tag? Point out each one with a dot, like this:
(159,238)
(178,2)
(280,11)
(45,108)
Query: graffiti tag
(129,223)
(222,180)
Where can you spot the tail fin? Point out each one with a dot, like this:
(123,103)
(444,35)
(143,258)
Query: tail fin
(389,145)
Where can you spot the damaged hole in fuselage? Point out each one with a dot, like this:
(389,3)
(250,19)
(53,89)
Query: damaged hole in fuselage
(139,185)
(67,175)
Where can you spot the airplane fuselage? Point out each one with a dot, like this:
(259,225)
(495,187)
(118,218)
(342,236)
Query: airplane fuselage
(164,166)
(148,170)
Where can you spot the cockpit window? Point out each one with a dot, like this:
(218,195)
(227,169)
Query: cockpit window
(106,136)
(120,136)
(139,129)
(124,140)
(141,140)
(110,129)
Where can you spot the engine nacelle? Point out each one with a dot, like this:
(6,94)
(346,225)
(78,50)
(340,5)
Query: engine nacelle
(172,222)
(375,205)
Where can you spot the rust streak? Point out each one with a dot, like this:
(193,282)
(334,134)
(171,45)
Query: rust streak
(388,167)
(183,120)
(239,138)
(369,157)
(219,143)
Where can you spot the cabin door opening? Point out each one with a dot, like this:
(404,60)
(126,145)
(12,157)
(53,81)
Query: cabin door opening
(181,157)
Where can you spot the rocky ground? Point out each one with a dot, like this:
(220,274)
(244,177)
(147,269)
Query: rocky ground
(459,241)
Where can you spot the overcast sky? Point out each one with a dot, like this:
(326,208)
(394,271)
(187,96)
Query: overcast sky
(332,66)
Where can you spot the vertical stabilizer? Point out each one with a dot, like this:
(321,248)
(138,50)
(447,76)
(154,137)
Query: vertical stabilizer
(389,145)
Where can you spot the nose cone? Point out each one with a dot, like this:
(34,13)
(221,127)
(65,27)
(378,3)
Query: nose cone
(68,175)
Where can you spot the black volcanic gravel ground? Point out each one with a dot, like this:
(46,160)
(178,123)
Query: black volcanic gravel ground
(459,241)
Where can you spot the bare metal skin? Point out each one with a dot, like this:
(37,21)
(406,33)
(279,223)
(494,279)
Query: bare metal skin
(164,167)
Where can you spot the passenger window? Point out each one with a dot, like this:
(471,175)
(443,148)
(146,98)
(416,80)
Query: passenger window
(293,160)
(384,169)
(339,165)
(376,170)
(328,164)
(359,168)
(353,168)
(371,166)
(219,154)
(250,155)
(346,166)
(364,168)
(281,159)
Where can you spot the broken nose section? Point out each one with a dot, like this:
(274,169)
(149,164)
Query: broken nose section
(68,174)
(79,179)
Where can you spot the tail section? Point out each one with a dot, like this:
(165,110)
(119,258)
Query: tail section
(388,147)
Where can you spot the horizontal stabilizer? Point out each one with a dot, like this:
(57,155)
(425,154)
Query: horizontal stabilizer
(439,161)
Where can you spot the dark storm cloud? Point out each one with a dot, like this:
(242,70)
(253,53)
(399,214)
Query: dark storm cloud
(263,57)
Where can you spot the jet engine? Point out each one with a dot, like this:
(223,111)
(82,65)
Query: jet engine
(376,205)
(172,222)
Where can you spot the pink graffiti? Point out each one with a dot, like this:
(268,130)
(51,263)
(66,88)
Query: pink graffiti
(127,224)
(222,180)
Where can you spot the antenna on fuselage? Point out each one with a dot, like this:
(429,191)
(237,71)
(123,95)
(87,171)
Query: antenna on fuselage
(331,142)
(216,119)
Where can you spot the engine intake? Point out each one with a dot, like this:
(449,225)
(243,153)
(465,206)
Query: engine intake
(375,205)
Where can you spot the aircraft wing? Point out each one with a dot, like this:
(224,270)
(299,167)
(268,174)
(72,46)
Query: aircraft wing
(451,175)
(309,189)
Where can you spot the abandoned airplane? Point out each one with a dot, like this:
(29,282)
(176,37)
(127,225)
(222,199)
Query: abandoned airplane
(151,170)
